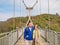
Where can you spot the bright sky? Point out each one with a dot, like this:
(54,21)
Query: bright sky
(7,7)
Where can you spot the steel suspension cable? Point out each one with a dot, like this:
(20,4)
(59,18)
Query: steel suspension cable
(48,15)
(13,14)
(20,11)
(48,6)
(29,10)
(40,6)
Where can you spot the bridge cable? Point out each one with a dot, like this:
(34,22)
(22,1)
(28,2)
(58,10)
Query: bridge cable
(40,7)
(29,10)
(49,15)
(14,15)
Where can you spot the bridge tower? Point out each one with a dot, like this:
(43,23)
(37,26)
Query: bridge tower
(29,10)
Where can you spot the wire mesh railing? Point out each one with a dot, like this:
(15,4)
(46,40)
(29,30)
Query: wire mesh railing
(11,38)
(51,36)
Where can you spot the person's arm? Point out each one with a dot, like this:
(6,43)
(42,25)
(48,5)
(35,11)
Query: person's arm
(25,33)
(33,34)
(38,34)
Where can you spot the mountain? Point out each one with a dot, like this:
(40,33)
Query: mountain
(43,20)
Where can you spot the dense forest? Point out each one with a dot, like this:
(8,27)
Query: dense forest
(42,20)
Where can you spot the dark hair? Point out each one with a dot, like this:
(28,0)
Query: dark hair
(34,26)
(28,23)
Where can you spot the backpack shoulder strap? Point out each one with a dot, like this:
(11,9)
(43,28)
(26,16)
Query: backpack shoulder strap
(26,28)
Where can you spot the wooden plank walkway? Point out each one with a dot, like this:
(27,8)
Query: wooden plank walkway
(42,41)
(21,41)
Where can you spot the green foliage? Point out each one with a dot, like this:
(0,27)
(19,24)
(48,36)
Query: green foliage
(42,20)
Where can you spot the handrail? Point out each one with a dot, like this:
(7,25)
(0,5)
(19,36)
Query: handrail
(51,36)
(11,38)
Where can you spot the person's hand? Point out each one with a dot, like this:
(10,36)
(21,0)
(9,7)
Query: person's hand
(34,39)
(24,39)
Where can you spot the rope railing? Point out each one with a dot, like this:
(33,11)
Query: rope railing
(11,38)
(51,36)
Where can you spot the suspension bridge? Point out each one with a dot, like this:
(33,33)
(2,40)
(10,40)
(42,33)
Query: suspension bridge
(15,37)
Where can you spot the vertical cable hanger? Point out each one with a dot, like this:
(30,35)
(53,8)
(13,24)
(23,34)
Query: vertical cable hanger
(20,13)
(48,16)
(13,14)
(40,7)
(48,6)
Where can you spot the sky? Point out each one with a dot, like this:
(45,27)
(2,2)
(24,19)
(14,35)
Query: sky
(7,8)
